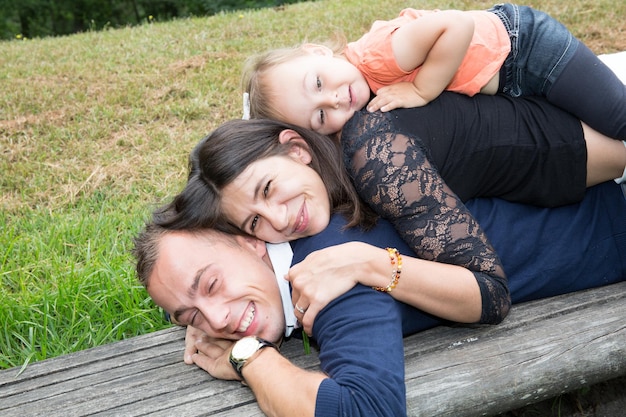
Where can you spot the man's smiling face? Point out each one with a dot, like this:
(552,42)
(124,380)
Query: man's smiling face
(222,285)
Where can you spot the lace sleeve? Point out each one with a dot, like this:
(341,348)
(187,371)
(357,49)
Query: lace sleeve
(393,174)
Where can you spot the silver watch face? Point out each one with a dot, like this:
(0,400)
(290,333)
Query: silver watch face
(244,348)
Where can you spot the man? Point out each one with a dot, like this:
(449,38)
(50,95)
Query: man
(225,286)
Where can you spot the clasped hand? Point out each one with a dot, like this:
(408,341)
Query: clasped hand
(328,273)
(209,353)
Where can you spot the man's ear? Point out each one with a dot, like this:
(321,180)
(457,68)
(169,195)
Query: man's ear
(252,243)
(316,49)
(298,148)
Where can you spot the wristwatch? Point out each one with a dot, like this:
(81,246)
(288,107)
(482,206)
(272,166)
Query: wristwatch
(244,349)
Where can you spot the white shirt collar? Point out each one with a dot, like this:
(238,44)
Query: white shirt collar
(281,255)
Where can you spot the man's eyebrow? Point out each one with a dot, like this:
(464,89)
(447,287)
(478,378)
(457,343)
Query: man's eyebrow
(191,291)
(196,281)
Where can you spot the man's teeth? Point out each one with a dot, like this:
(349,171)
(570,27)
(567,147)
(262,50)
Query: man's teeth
(245,323)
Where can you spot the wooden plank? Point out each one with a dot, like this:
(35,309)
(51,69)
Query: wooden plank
(144,374)
(64,362)
(579,340)
(543,348)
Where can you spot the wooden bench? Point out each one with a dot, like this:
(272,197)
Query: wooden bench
(544,348)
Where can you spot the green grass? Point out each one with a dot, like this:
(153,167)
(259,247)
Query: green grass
(66,281)
(95,129)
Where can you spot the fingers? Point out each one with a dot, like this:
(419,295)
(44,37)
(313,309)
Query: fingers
(212,356)
(383,100)
(395,96)
(212,348)
(308,320)
(375,104)
(192,335)
(300,310)
(190,350)
(382,104)
(206,363)
(306,315)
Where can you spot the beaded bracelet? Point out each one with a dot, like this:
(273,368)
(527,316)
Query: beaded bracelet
(396,263)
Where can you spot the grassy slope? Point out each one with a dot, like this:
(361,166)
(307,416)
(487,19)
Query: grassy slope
(95,129)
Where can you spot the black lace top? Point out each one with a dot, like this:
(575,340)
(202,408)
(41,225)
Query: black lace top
(393,174)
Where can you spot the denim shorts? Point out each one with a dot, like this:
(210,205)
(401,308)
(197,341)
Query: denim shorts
(541,47)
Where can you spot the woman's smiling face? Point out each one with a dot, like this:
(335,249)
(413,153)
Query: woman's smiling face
(278,198)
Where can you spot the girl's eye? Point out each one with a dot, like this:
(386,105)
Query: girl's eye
(318,83)
(255,220)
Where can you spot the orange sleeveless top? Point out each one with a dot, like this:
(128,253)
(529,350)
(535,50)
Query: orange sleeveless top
(372,54)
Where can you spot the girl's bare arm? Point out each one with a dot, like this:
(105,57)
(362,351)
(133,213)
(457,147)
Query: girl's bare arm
(437,44)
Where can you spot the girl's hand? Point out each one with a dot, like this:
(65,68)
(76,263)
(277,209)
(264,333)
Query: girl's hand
(400,95)
(330,272)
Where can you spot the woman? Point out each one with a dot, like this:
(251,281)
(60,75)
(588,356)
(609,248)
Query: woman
(223,169)
(242,175)
(378,148)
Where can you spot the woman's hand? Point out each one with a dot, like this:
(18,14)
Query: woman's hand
(330,272)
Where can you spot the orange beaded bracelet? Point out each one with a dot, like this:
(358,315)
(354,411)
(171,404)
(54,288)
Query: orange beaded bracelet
(396,263)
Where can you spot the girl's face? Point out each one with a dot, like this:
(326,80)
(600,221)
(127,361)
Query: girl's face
(318,91)
(279,198)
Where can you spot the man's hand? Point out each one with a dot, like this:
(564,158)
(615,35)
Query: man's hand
(209,353)
(212,356)
(192,336)
(399,95)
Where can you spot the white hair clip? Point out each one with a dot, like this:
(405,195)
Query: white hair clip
(246,106)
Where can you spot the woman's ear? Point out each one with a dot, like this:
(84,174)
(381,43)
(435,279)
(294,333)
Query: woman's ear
(316,49)
(298,148)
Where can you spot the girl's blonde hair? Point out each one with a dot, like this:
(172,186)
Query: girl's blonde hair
(254,81)
(256,68)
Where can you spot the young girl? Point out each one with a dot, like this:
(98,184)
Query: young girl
(313,87)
